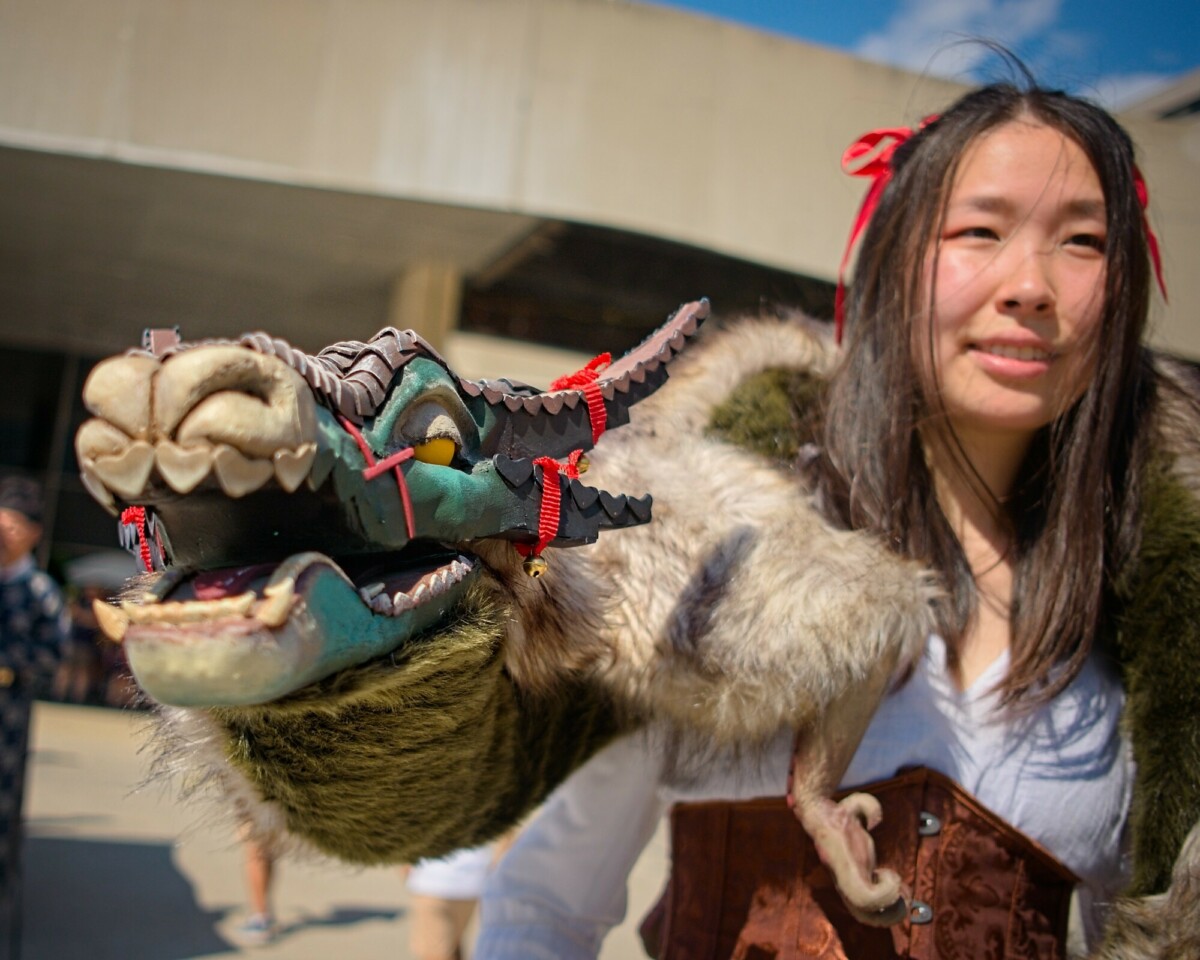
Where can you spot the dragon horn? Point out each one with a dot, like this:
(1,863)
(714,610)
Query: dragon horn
(557,422)
(582,513)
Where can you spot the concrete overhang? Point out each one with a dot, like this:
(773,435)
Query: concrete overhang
(92,251)
(234,163)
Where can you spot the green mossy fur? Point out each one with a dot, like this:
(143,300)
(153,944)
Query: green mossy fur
(770,413)
(364,788)
(1158,640)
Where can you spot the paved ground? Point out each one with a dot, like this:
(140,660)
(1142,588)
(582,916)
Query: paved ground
(114,871)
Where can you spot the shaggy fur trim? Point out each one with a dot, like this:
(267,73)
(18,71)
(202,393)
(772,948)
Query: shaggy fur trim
(1159,644)
(1158,640)
(1161,927)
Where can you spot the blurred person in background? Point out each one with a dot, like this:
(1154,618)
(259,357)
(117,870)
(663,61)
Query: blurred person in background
(444,893)
(93,670)
(34,633)
(258,867)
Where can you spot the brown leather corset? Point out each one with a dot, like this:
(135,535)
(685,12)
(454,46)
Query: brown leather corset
(746,884)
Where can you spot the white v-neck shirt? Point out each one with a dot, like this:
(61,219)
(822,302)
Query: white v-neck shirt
(1062,774)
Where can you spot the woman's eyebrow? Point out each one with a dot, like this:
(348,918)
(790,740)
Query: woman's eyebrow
(984,203)
(993,203)
(1086,208)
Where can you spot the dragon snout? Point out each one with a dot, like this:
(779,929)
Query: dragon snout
(221,410)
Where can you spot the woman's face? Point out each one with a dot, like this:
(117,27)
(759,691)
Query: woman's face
(1017,283)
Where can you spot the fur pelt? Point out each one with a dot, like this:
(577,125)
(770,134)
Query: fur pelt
(1164,926)
(1158,643)
(738,611)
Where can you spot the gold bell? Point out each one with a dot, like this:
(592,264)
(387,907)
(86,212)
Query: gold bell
(582,464)
(535,566)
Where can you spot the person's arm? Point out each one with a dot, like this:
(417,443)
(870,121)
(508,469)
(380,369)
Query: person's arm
(562,886)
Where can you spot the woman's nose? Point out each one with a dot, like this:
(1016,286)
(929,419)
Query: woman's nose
(1026,286)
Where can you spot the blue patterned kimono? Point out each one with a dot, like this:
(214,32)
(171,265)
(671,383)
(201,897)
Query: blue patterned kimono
(34,628)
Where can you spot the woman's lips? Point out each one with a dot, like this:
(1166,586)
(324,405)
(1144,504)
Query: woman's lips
(1013,361)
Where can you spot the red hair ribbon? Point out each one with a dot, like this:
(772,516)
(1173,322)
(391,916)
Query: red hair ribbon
(586,379)
(879,169)
(1143,195)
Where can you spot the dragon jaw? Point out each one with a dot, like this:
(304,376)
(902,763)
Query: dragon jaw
(246,635)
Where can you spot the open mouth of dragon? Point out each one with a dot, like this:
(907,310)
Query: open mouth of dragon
(390,585)
(258,628)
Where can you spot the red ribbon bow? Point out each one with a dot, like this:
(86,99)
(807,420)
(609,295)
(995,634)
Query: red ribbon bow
(1143,195)
(587,380)
(879,169)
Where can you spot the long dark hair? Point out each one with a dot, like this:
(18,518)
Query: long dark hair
(1074,515)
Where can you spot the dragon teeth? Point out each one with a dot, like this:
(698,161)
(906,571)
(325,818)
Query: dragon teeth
(113,621)
(126,473)
(112,463)
(292,466)
(274,610)
(238,474)
(382,603)
(431,586)
(192,611)
(182,467)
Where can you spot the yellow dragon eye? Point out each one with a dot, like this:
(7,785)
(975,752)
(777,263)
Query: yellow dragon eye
(439,451)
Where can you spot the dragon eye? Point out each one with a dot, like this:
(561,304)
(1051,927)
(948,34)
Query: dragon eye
(437,450)
(430,429)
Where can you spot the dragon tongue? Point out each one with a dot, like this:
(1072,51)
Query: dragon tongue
(230,581)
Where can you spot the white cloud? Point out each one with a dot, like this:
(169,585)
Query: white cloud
(926,35)
(1122,90)
(936,37)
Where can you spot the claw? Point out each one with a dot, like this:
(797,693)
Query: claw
(874,895)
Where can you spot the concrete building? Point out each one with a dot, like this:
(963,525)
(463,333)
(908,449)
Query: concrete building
(489,172)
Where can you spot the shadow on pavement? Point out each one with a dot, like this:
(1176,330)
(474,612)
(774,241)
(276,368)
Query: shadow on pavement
(339,917)
(102,899)
(99,900)
(87,899)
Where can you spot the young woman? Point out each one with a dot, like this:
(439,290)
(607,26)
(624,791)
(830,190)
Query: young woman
(996,417)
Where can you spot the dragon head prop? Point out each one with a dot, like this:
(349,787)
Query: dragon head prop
(308,513)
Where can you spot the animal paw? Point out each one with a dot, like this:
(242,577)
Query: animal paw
(840,831)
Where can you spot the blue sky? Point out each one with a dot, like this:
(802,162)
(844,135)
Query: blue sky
(1114,50)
